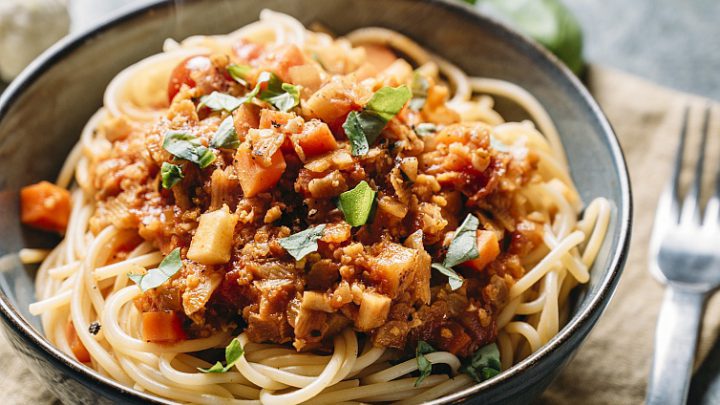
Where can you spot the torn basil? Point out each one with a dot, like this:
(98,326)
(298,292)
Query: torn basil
(424,365)
(170,174)
(463,246)
(225,136)
(186,146)
(171,264)
(301,244)
(454,279)
(484,363)
(356,204)
(233,352)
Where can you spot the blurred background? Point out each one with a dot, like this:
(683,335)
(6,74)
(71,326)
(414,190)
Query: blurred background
(673,43)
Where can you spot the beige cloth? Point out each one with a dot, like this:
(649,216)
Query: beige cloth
(612,366)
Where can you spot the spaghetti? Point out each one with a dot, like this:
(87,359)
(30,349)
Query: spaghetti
(90,306)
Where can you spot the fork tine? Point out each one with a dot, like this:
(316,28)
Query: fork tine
(691,205)
(712,210)
(671,196)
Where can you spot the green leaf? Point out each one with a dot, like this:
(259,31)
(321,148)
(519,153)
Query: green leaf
(283,96)
(454,279)
(233,352)
(463,246)
(171,264)
(185,146)
(424,365)
(217,101)
(239,73)
(484,363)
(362,129)
(425,129)
(302,243)
(356,204)
(170,174)
(225,137)
(549,22)
(420,86)
(388,101)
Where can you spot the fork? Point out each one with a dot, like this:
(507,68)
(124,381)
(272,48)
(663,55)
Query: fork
(684,255)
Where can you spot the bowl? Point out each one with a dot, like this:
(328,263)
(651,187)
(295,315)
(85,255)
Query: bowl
(43,111)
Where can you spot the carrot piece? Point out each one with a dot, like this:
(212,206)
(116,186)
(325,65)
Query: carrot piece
(316,138)
(76,345)
(162,327)
(253,177)
(379,56)
(274,119)
(45,206)
(488,249)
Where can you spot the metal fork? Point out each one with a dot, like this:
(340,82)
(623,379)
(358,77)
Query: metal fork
(685,255)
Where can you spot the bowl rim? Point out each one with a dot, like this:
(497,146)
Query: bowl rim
(597,303)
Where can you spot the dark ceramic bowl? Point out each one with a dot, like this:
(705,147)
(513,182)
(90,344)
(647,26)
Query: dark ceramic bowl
(43,111)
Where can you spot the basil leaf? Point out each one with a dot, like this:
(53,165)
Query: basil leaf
(484,363)
(233,352)
(170,265)
(425,129)
(170,174)
(420,86)
(356,204)
(454,279)
(239,73)
(302,243)
(388,101)
(362,129)
(463,246)
(217,101)
(424,365)
(188,147)
(225,136)
(549,22)
(283,96)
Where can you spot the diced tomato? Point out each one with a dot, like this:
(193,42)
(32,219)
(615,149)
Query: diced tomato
(316,138)
(246,117)
(77,347)
(255,178)
(453,338)
(488,250)
(45,206)
(248,51)
(182,73)
(162,327)
(379,56)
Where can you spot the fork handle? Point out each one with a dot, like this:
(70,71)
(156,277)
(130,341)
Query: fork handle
(675,344)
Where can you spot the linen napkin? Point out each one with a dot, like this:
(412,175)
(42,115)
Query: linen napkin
(613,365)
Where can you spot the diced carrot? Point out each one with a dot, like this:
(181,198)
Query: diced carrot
(488,249)
(162,327)
(76,344)
(246,117)
(316,138)
(282,58)
(255,178)
(274,119)
(45,206)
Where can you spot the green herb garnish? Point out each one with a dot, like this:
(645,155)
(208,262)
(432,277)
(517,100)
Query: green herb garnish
(170,265)
(424,365)
(420,86)
(217,101)
(302,243)
(362,128)
(356,204)
(233,352)
(185,146)
(225,136)
(239,73)
(484,364)
(454,279)
(170,174)
(283,96)
(463,246)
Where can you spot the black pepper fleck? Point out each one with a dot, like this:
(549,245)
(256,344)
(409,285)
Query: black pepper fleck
(94,328)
